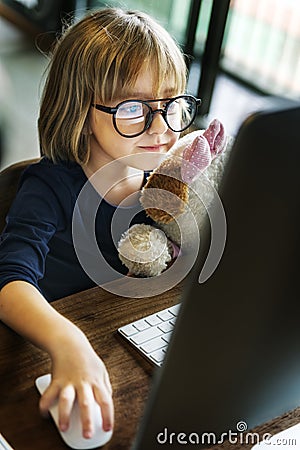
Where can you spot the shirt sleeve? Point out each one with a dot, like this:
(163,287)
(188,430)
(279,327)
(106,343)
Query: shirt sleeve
(34,217)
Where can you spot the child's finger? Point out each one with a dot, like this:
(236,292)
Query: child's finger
(66,400)
(107,411)
(86,401)
(104,399)
(48,398)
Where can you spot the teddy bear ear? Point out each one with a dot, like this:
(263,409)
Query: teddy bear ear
(196,157)
(215,135)
(199,154)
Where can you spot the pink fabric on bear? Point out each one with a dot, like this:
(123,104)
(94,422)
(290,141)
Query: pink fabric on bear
(215,135)
(199,154)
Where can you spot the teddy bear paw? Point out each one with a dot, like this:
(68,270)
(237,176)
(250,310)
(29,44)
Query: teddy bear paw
(144,250)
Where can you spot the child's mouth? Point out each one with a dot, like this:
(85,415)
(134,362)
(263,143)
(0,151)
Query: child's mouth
(154,148)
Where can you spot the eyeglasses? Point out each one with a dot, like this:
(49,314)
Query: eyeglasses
(133,117)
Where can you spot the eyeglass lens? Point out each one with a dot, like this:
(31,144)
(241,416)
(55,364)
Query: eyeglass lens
(134,117)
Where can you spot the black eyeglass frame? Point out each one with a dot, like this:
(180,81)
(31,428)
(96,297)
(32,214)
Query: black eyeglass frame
(152,112)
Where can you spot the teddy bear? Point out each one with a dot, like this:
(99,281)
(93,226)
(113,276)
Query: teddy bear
(177,197)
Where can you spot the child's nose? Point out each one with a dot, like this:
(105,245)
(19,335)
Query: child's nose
(158,124)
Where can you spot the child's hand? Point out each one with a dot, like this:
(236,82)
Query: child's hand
(79,373)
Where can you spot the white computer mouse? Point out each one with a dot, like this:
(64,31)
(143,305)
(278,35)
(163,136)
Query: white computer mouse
(73,436)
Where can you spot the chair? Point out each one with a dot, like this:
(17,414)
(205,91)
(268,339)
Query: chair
(9,180)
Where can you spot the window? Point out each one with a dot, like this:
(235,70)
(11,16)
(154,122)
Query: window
(261,45)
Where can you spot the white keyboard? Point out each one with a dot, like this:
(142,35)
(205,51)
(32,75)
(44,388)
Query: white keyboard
(151,334)
(3,444)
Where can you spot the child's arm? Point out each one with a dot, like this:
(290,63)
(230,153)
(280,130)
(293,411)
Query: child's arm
(25,310)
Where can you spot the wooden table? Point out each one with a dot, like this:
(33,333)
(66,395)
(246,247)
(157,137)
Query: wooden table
(98,313)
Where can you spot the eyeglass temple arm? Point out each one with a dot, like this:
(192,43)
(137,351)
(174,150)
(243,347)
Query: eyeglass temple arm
(106,109)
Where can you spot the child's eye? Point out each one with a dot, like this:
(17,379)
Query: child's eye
(128,110)
(134,108)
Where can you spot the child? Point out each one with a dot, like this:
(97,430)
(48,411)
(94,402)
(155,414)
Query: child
(110,93)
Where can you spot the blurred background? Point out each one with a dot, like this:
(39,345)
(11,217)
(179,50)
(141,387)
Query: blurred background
(243,55)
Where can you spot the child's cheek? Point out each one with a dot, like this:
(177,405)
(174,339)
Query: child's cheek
(173,140)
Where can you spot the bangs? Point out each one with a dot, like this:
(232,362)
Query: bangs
(156,53)
(120,84)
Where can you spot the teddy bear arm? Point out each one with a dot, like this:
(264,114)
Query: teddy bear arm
(164,196)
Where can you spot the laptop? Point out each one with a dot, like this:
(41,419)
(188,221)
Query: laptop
(233,361)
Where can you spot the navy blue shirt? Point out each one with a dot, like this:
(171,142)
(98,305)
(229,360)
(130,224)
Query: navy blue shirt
(37,244)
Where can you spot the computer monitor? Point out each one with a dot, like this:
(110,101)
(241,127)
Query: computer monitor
(234,358)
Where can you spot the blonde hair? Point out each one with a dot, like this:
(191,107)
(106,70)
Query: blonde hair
(99,59)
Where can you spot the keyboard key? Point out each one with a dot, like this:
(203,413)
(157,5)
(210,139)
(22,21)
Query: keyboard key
(166,327)
(129,330)
(165,315)
(153,344)
(167,336)
(141,324)
(153,320)
(175,309)
(158,356)
(146,335)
